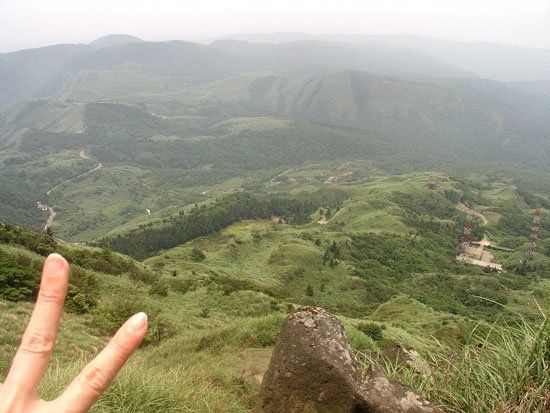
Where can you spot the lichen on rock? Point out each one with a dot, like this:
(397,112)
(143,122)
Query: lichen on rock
(313,370)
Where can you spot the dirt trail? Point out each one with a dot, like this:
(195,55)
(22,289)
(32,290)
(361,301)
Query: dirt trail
(480,263)
(272,180)
(99,165)
(477,255)
(276,177)
(485,241)
(96,167)
(464,208)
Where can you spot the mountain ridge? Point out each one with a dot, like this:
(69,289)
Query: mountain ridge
(505,63)
(113,40)
(169,120)
(38,72)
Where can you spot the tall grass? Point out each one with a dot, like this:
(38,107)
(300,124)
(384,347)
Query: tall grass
(142,389)
(504,371)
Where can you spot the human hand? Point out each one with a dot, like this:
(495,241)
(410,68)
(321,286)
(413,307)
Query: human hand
(18,394)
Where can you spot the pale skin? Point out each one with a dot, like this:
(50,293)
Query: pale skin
(18,393)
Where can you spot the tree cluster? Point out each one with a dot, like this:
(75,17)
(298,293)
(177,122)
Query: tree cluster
(205,220)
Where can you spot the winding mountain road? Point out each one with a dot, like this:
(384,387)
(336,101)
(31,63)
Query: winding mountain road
(464,208)
(51,211)
(49,222)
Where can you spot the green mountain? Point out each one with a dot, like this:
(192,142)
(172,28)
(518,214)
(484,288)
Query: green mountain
(25,73)
(443,117)
(218,187)
(114,40)
(168,121)
(379,252)
(46,71)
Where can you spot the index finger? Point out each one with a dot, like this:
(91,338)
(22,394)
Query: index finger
(37,343)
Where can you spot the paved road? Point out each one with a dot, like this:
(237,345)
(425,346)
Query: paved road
(51,217)
(49,222)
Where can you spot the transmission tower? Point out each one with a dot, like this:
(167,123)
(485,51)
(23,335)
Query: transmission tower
(467,234)
(532,249)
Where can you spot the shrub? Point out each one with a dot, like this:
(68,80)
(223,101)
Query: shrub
(159,288)
(197,255)
(108,317)
(143,276)
(82,292)
(77,302)
(183,285)
(18,278)
(372,330)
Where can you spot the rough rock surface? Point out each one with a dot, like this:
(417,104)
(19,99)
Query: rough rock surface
(397,353)
(313,370)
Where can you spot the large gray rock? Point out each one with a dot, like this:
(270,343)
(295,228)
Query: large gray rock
(313,370)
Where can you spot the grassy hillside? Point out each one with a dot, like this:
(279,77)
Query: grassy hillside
(445,117)
(150,163)
(216,302)
(157,162)
(243,181)
(131,126)
(382,217)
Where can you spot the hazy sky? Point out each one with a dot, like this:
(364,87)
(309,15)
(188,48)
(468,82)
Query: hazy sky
(32,23)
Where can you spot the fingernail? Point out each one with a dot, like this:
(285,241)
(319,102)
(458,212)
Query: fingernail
(136,322)
(55,264)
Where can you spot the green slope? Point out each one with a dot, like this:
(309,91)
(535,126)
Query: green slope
(216,316)
(471,119)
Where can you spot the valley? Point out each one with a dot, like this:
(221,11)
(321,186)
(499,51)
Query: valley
(385,256)
(50,209)
(220,187)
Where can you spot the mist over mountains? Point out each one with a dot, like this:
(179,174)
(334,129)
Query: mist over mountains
(29,73)
(371,82)
(399,182)
(499,62)
(184,114)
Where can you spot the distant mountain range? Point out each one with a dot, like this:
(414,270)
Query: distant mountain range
(174,115)
(368,83)
(45,71)
(499,62)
